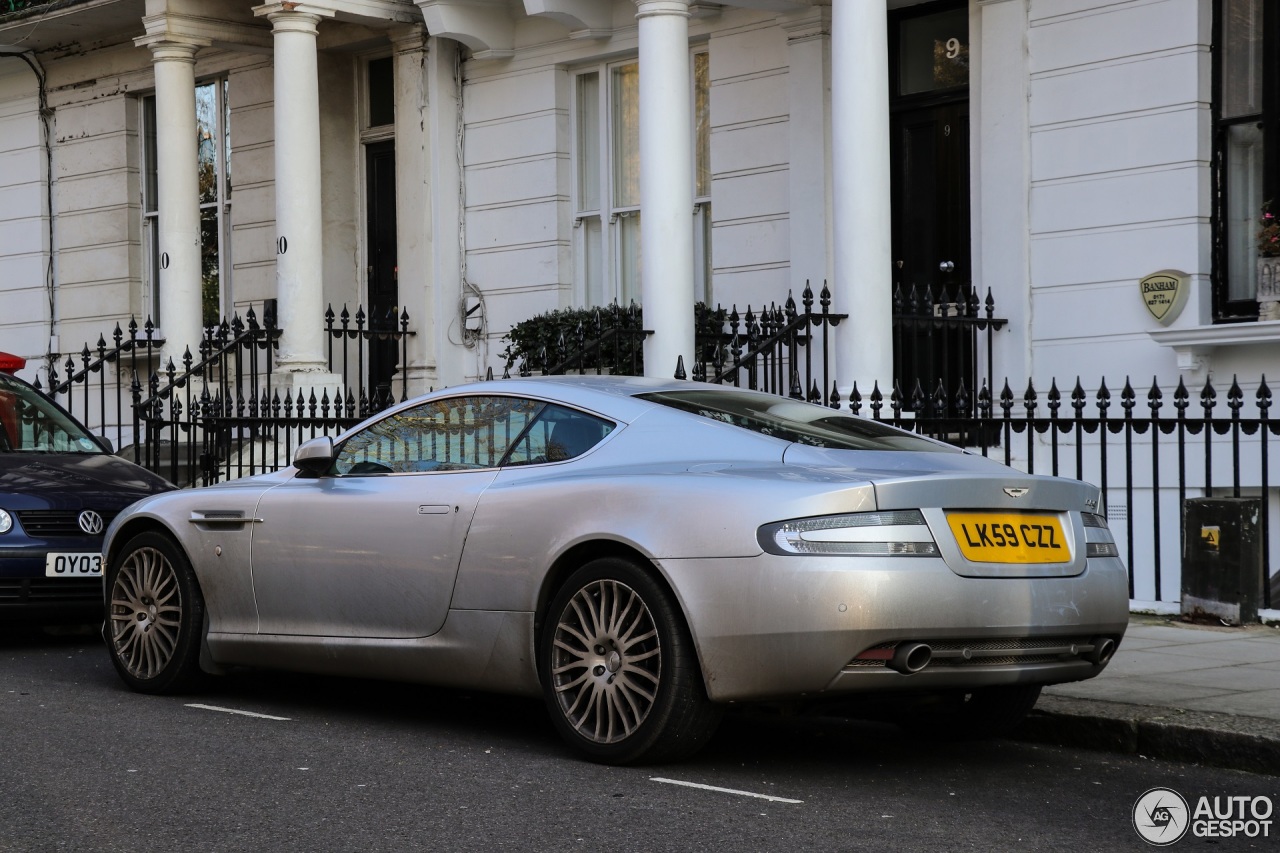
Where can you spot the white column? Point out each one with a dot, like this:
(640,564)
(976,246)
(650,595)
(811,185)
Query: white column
(413,199)
(1000,135)
(860,175)
(443,226)
(178,195)
(299,224)
(809,144)
(666,184)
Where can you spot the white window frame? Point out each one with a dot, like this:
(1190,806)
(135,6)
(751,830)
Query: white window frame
(613,217)
(221,203)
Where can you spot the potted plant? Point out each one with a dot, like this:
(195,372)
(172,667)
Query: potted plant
(1268,293)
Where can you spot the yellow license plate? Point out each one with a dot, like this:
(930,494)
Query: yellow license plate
(1008,537)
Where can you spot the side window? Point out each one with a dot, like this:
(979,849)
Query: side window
(453,434)
(558,434)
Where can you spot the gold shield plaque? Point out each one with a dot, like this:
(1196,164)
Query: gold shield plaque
(1164,294)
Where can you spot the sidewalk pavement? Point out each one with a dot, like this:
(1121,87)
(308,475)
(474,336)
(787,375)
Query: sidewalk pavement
(1179,691)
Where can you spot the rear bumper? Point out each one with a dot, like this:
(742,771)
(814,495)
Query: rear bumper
(773,627)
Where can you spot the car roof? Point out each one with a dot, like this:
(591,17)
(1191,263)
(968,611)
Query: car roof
(613,396)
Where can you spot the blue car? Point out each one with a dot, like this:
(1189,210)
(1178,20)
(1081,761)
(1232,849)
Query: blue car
(59,489)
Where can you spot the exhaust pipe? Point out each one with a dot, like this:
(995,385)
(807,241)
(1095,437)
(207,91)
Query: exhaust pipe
(1103,649)
(910,657)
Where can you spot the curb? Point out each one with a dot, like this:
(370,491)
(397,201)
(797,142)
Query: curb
(1233,742)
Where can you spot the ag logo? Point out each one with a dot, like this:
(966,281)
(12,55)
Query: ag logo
(1161,816)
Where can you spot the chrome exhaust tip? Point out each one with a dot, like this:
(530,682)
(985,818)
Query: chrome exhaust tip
(910,657)
(1103,649)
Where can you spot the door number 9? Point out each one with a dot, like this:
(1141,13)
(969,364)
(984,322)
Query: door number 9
(953,48)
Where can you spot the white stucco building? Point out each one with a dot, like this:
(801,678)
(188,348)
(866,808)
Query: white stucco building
(476,162)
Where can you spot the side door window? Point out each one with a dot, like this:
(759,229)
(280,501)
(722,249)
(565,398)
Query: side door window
(451,434)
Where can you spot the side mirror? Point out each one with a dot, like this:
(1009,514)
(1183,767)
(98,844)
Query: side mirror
(106,442)
(314,457)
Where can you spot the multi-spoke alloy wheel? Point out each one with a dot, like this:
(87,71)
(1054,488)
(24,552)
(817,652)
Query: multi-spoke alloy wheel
(606,661)
(618,669)
(154,612)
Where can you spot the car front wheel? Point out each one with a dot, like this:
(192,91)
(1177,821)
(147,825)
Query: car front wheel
(155,614)
(619,672)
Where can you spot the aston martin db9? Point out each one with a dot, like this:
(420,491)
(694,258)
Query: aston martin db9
(640,553)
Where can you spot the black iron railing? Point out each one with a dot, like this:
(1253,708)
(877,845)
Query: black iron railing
(601,340)
(774,351)
(1148,451)
(780,349)
(944,336)
(217,415)
(941,336)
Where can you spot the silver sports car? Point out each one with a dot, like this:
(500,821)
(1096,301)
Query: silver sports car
(640,553)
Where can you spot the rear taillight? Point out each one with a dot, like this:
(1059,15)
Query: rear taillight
(876,534)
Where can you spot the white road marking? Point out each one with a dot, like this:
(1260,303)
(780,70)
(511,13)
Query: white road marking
(235,711)
(699,786)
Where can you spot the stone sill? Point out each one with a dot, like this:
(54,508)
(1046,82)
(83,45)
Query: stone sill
(1194,346)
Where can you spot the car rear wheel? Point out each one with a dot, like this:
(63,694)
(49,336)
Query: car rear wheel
(155,614)
(619,672)
(973,714)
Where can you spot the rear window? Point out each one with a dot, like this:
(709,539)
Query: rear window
(792,420)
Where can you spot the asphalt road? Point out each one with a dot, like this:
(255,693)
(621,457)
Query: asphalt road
(350,765)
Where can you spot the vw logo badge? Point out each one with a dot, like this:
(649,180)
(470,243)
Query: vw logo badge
(90,522)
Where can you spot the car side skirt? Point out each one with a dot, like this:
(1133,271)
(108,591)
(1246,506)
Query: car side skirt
(475,649)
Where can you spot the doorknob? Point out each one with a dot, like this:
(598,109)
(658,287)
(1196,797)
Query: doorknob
(947,266)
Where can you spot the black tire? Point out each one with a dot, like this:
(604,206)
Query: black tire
(619,672)
(973,714)
(155,616)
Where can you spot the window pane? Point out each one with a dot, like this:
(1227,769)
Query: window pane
(702,124)
(588,141)
(210,272)
(702,252)
(1244,158)
(1241,57)
(207,141)
(151,236)
(792,420)
(150,193)
(382,99)
(626,135)
(593,261)
(934,52)
(557,435)
(629,258)
(456,434)
(226,138)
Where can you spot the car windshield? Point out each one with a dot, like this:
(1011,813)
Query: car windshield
(792,420)
(31,423)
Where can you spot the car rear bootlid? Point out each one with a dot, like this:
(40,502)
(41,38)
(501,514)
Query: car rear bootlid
(988,520)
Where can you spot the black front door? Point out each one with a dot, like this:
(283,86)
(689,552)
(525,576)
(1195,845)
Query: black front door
(929,126)
(384,293)
(931,195)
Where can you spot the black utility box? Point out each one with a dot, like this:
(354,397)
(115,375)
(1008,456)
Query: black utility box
(1222,558)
